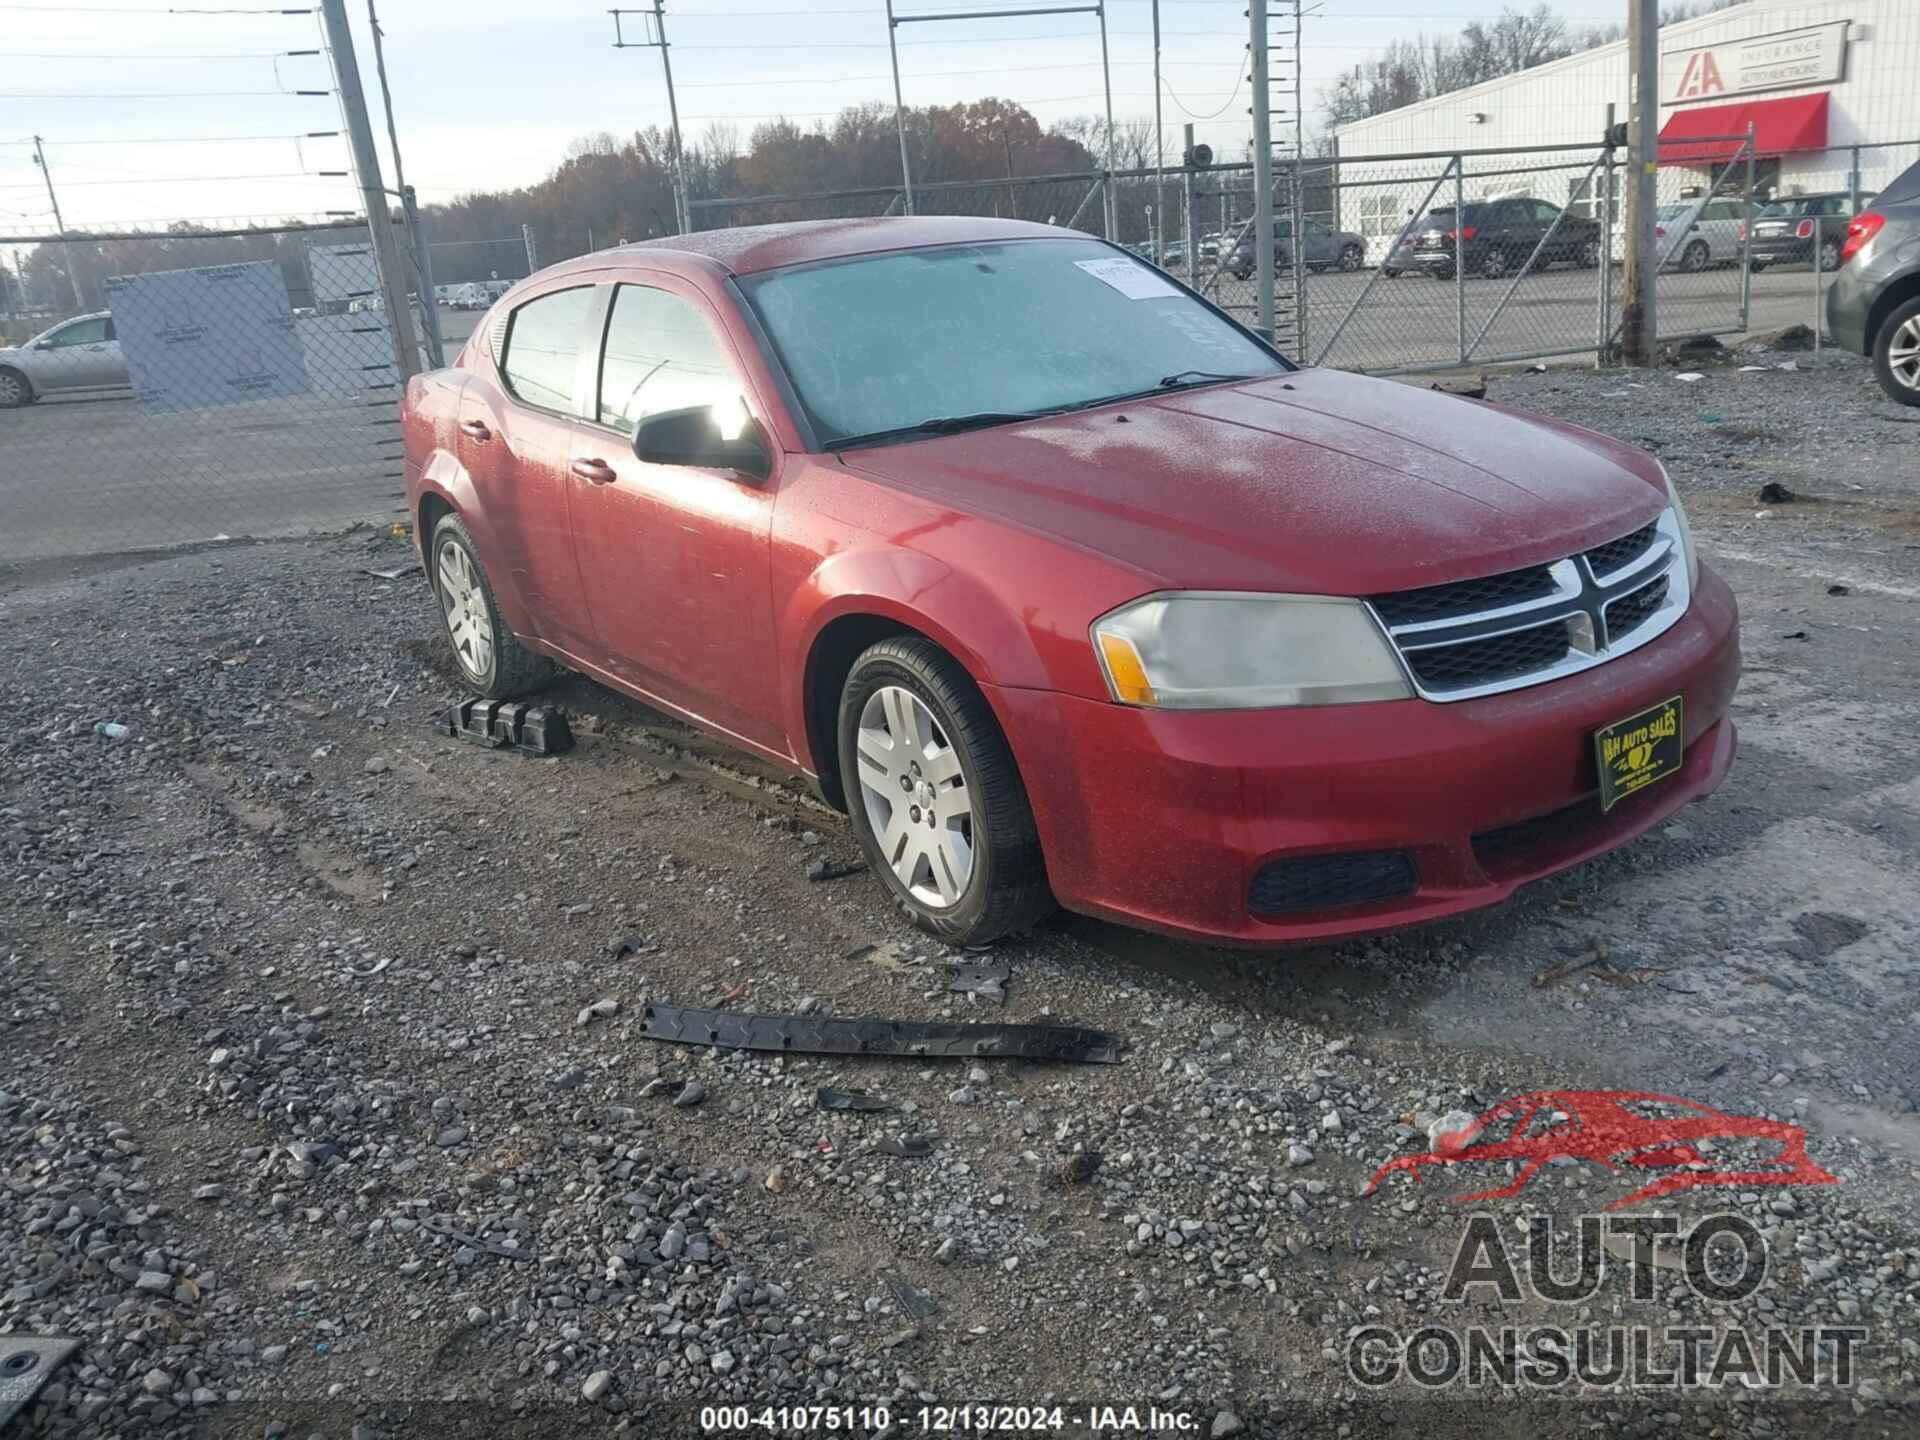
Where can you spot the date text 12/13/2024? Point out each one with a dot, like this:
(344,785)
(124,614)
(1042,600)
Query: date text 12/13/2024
(949,1419)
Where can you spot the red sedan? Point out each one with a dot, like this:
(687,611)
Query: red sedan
(1066,586)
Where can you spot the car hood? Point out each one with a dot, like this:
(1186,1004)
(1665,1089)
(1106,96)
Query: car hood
(1319,482)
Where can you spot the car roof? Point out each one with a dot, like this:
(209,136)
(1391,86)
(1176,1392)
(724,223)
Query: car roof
(747,249)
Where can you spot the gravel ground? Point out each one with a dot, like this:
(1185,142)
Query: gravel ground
(324,1107)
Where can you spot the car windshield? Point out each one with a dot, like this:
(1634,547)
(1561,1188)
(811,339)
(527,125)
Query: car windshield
(879,343)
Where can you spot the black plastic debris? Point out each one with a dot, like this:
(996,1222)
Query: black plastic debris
(627,945)
(914,1303)
(1838,589)
(907,1147)
(1774,493)
(436,1225)
(828,1098)
(832,1035)
(820,870)
(503,724)
(986,979)
(26,1363)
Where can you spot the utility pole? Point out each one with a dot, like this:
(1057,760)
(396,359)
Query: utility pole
(656,18)
(1639,323)
(533,252)
(66,250)
(366,169)
(899,112)
(1113,185)
(1160,151)
(1262,169)
(409,205)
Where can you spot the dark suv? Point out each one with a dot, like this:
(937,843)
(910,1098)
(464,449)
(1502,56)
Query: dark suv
(1873,304)
(1786,231)
(1496,237)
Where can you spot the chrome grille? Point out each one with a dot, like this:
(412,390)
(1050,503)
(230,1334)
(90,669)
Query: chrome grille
(1521,627)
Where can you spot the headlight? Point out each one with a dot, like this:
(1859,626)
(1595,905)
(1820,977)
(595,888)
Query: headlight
(1686,532)
(1229,651)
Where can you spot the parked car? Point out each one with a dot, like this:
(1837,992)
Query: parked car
(76,355)
(1698,234)
(1873,302)
(469,296)
(1174,257)
(1399,258)
(1784,230)
(1325,248)
(1176,633)
(1496,238)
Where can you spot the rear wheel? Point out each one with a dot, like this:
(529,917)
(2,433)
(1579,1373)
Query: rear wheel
(934,795)
(1493,264)
(15,391)
(1590,254)
(1350,257)
(488,655)
(1896,354)
(1830,254)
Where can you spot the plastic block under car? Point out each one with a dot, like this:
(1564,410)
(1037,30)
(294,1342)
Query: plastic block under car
(500,724)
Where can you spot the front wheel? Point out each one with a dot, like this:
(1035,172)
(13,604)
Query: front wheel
(1350,257)
(935,798)
(14,390)
(1896,354)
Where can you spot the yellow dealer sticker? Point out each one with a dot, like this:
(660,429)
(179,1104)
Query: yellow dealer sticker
(1635,752)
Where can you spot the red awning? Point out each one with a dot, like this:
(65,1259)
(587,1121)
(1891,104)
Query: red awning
(1799,122)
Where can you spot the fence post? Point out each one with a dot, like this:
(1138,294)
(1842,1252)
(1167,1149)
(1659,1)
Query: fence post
(1746,241)
(1603,329)
(1459,258)
(1853,185)
(423,276)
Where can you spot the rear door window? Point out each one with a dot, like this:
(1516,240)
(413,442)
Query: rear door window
(544,339)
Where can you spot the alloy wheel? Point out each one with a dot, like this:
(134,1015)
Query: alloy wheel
(1494,264)
(1830,255)
(464,602)
(1903,354)
(1695,258)
(916,797)
(13,390)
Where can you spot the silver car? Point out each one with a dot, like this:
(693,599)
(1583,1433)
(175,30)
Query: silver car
(1873,305)
(75,355)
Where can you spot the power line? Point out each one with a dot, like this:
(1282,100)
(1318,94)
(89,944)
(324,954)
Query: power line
(158,94)
(175,180)
(1196,115)
(129,55)
(189,139)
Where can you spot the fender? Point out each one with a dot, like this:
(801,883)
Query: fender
(978,628)
(445,478)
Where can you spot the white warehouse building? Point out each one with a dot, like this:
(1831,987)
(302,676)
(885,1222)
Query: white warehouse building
(1831,89)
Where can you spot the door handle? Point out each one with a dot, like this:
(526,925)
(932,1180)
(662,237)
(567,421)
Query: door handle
(475,430)
(595,472)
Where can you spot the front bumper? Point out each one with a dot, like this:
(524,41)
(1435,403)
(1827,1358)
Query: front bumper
(1162,819)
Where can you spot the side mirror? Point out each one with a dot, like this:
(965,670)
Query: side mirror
(715,437)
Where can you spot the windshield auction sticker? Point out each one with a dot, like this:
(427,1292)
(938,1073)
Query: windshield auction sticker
(1130,278)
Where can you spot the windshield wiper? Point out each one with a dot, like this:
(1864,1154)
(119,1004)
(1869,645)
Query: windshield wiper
(1180,379)
(940,425)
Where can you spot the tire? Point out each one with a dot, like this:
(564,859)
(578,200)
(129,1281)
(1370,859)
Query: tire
(1493,263)
(503,668)
(1589,257)
(1829,254)
(1001,887)
(15,389)
(1443,272)
(1900,332)
(1756,266)
(1350,257)
(1386,273)
(1694,258)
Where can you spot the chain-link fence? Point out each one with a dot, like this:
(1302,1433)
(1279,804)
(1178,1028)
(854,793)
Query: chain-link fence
(200,383)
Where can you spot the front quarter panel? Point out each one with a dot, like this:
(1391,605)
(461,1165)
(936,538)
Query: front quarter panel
(1012,607)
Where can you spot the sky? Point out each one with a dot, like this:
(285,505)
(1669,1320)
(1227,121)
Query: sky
(150,116)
